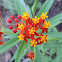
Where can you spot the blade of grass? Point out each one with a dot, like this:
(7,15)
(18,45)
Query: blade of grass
(8,44)
(20,51)
(45,8)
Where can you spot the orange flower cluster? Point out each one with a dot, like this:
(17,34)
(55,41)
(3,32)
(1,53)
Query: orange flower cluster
(28,30)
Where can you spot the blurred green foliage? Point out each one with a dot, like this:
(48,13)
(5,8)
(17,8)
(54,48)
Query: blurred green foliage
(47,52)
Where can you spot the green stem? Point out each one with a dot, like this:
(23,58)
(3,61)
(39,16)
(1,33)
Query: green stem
(11,33)
(35,54)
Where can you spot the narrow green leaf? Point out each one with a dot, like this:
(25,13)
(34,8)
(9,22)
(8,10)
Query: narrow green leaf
(45,8)
(55,18)
(54,21)
(54,29)
(34,7)
(19,7)
(38,55)
(29,11)
(13,56)
(8,44)
(10,36)
(20,51)
(57,35)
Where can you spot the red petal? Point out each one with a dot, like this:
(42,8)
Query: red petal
(1,43)
(36,34)
(18,29)
(1,33)
(32,36)
(37,39)
(41,21)
(41,34)
(26,22)
(39,43)
(25,40)
(27,37)
(36,28)
(23,19)
(22,32)
(22,23)
(0,38)
(40,25)
(28,26)
(46,30)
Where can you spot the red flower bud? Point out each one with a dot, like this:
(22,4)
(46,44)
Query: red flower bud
(9,21)
(10,27)
(16,24)
(16,20)
(14,30)
(19,16)
(12,17)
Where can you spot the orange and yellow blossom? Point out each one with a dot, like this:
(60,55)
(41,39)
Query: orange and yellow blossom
(25,15)
(21,37)
(35,20)
(21,26)
(46,25)
(33,43)
(32,30)
(44,15)
(44,38)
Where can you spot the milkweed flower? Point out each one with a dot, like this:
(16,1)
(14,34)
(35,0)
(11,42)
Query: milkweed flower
(35,20)
(44,15)
(29,29)
(31,55)
(33,43)
(21,37)
(44,38)
(21,26)
(46,25)
(25,16)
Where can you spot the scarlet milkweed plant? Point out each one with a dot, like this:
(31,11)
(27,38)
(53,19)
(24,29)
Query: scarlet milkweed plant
(34,32)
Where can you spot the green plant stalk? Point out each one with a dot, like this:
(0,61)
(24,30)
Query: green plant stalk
(10,33)
(34,7)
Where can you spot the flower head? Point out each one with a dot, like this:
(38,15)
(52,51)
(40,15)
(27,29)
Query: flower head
(35,20)
(46,25)
(25,15)
(31,55)
(21,37)
(44,38)
(33,43)
(21,26)
(43,16)
(31,31)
